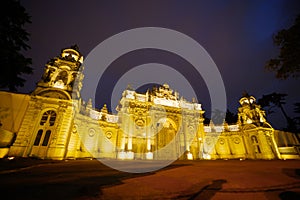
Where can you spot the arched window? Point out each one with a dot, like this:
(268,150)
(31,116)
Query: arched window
(48,116)
(254,139)
(38,138)
(46,127)
(46,138)
(63,75)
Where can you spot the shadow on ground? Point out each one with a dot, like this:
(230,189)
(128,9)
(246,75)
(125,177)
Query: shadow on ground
(73,179)
(289,195)
(209,191)
(294,173)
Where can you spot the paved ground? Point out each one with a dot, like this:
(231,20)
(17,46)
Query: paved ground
(89,179)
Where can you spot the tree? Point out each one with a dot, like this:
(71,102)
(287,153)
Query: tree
(206,119)
(218,117)
(287,62)
(231,118)
(277,100)
(13,38)
(297,110)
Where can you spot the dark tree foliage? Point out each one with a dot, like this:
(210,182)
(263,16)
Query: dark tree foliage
(297,110)
(206,120)
(231,118)
(13,38)
(270,101)
(218,118)
(287,63)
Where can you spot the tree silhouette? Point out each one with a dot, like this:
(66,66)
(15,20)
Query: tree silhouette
(206,119)
(277,100)
(231,118)
(13,38)
(287,62)
(218,117)
(297,110)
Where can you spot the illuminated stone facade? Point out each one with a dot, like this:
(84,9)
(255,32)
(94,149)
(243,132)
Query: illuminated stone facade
(46,126)
(157,125)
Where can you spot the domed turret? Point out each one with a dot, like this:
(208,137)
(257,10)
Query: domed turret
(62,77)
(250,112)
(72,54)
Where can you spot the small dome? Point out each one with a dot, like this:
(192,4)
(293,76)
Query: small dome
(72,52)
(247,100)
(165,85)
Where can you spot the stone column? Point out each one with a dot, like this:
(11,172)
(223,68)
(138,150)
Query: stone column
(129,143)
(123,143)
(148,144)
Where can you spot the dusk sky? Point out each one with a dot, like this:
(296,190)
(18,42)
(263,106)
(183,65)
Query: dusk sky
(236,34)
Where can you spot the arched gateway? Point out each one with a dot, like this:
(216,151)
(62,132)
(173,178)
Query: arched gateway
(153,125)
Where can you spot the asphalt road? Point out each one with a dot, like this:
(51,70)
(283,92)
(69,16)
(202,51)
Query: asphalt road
(90,179)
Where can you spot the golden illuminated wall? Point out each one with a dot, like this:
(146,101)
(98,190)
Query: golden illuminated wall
(13,107)
(38,135)
(12,110)
(139,131)
(156,125)
(285,139)
(48,122)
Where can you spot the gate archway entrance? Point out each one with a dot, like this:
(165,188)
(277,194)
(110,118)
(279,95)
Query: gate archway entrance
(166,139)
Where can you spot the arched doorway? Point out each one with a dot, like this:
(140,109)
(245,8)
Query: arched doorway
(43,134)
(166,139)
